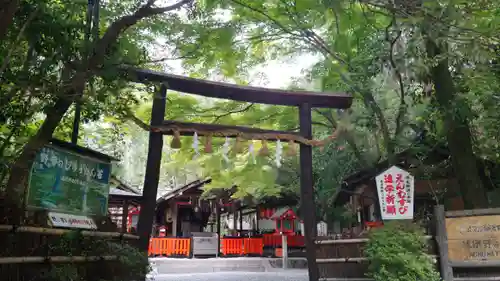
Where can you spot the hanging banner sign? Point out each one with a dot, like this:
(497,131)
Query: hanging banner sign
(395,188)
(66,182)
(71,221)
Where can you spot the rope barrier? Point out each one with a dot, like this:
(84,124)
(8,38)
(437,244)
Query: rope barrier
(249,136)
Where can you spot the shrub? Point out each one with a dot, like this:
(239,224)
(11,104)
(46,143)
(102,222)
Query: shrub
(132,264)
(398,252)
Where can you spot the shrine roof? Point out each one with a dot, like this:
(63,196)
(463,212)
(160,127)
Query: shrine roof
(283,213)
(238,92)
(182,189)
(118,184)
(119,192)
(82,150)
(406,159)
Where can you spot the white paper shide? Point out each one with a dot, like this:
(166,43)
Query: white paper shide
(395,189)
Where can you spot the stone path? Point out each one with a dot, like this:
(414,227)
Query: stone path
(289,275)
(222,269)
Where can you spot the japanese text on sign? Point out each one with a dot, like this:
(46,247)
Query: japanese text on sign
(395,192)
(49,158)
(67,182)
(473,238)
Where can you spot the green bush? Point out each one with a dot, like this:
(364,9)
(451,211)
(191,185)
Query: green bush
(132,264)
(398,252)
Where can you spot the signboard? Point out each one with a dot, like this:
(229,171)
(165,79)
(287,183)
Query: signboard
(66,182)
(71,221)
(395,189)
(473,238)
(205,244)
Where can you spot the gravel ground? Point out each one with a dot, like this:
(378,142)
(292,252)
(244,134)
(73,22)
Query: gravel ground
(289,275)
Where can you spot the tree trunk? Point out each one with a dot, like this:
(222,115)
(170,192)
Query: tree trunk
(18,180)
(458,133)
(8,9)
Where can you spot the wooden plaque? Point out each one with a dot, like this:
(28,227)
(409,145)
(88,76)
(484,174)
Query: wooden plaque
(474,238)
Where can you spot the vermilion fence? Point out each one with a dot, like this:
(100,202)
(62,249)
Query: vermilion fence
(230,246)
(170,247)
(274,241)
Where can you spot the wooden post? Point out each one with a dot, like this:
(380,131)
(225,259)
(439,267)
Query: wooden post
(235,220)
(257,218)
(124,215)
(217,215)
(442,243)
(152,176)
(284,250)
(241,221)
(307,206)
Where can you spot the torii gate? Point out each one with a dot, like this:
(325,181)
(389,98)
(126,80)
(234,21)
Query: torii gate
(305,101)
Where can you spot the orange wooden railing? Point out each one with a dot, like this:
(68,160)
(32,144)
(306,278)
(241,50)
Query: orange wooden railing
(274,240)
(232,246)
(253,246)
(169,247)
(295,241)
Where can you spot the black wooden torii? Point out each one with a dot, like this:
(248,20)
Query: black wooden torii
(303,100)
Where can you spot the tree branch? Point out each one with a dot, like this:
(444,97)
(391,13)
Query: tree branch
(347,135)
(138,122)
(12,48)
(119,26)
(402,94)
(218,117)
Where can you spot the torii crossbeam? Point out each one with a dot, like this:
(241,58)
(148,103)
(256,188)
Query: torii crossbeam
(304,100)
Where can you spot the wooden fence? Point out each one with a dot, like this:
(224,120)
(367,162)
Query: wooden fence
(469,244)
(30,253)
(344,260)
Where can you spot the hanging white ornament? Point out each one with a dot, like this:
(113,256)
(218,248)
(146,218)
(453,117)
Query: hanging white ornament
(225,150)
(279,150)
(251,151)
(196,145)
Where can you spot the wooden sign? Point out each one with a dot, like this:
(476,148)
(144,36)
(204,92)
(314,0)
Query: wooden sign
(395,189)
(71,221)
(473,238)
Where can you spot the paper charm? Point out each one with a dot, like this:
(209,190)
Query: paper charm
(251,152)
(279,150)
(225,150)
(196,145)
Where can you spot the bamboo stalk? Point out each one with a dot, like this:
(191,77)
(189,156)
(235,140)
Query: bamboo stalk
(55,259)
(356,259)
(341,260)
(346,279)
(485,278)
(351,241)
(55,231)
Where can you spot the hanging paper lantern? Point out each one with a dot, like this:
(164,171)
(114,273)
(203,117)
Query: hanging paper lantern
(264,150)
(176,141)
(292,150)
(208,144)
